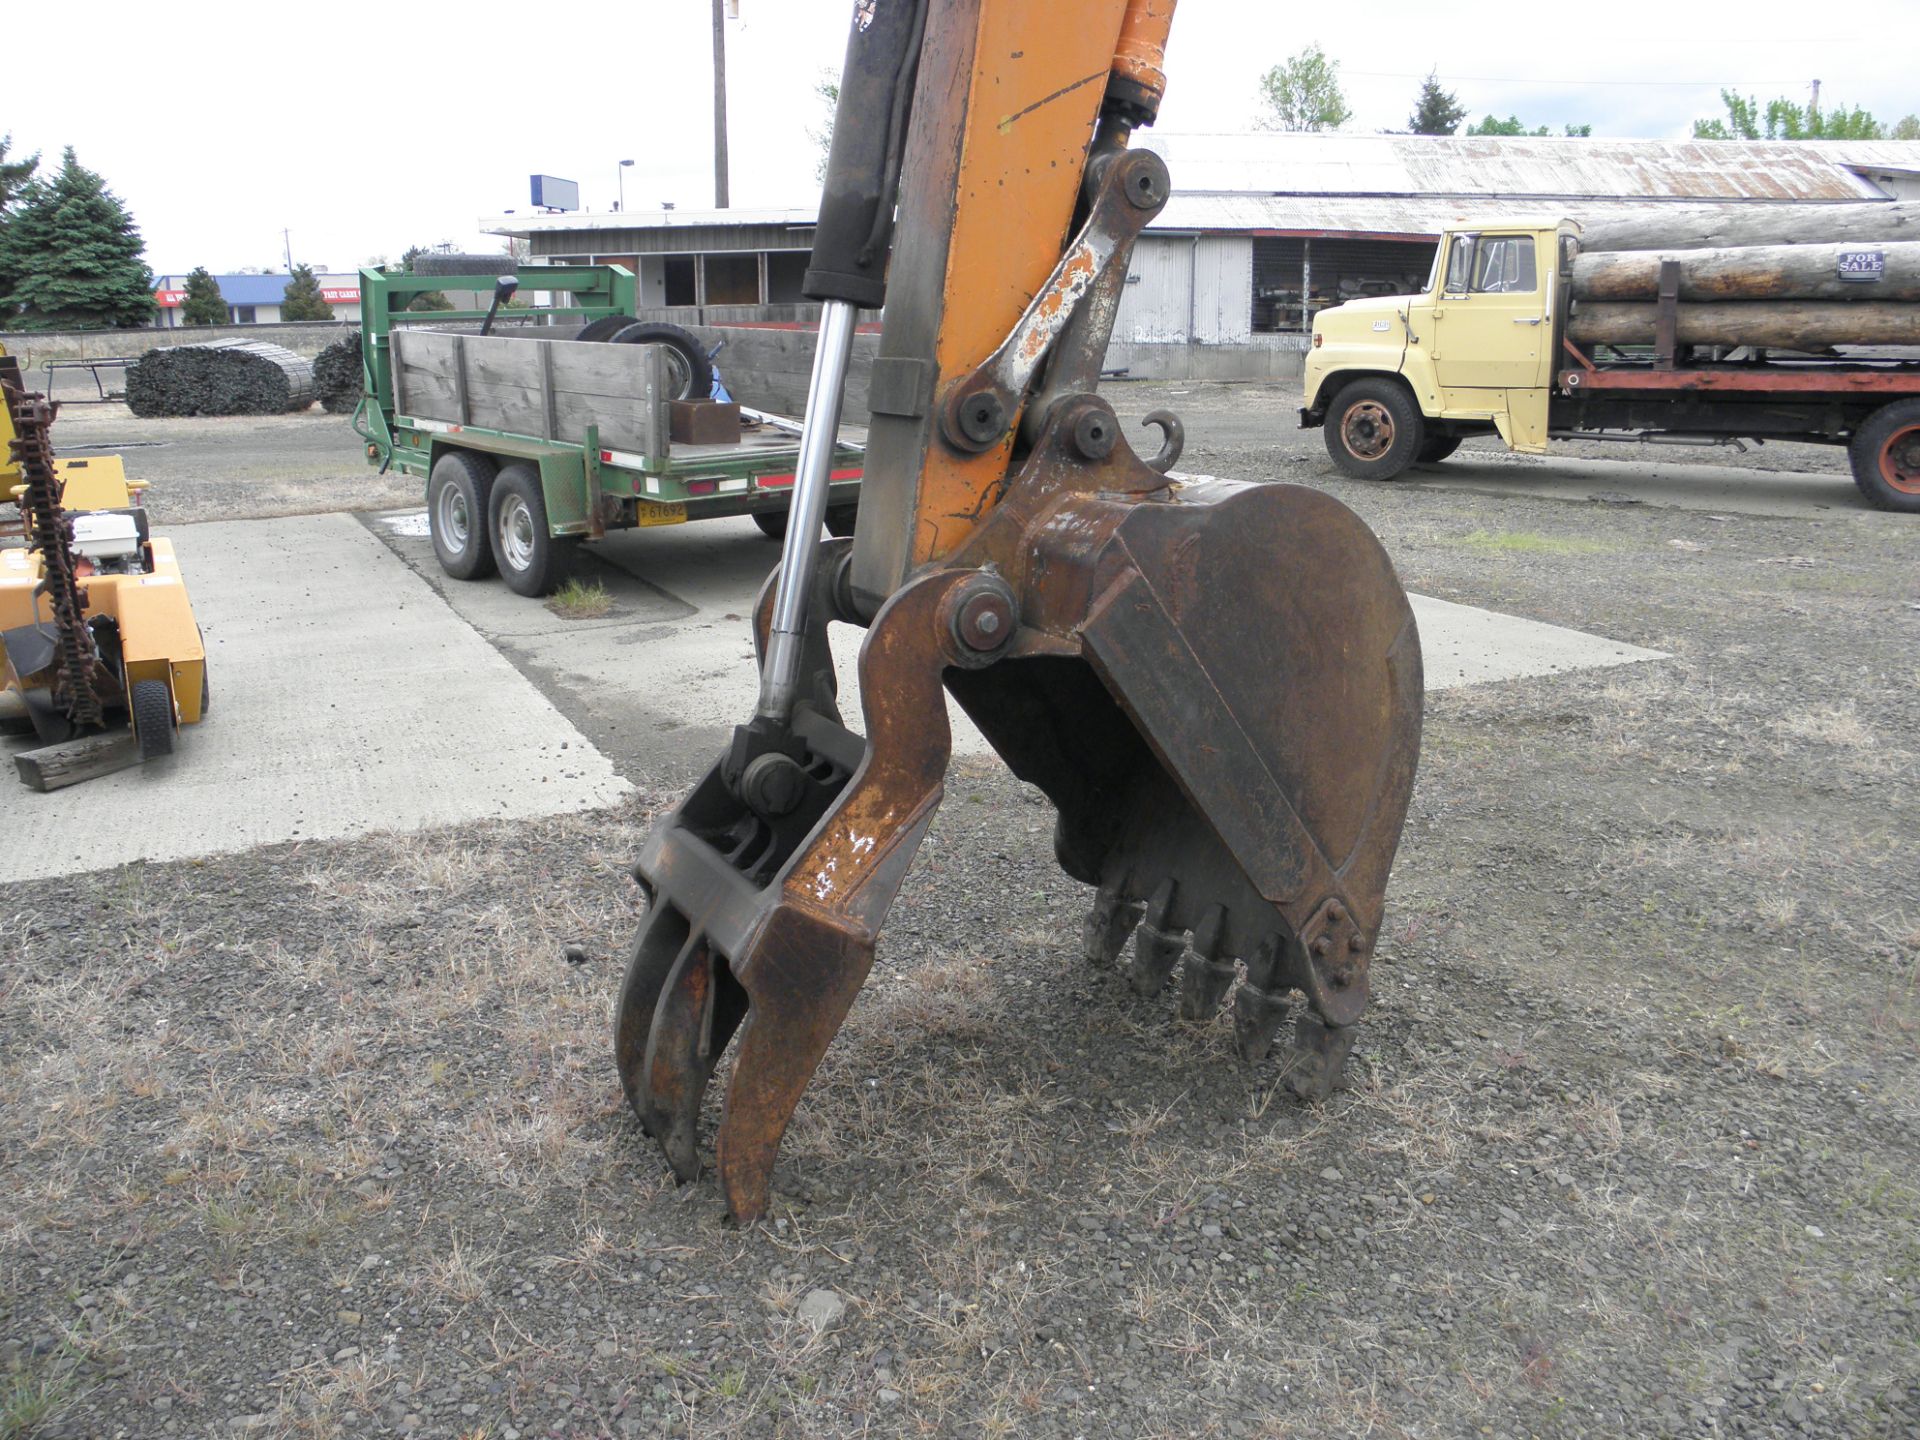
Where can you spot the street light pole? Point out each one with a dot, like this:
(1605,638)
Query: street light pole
(621,172)
(720,103)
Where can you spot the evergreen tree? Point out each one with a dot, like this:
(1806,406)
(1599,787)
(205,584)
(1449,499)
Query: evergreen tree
(14,174)
(1438,112)
(73,256)
(205,305)
(302,300)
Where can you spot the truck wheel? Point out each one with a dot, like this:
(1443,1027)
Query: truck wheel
(1373,430)
(1436,448)
(457,491)
(1886,457)
(153,718)
(772,523)
(529,557)
(841,519)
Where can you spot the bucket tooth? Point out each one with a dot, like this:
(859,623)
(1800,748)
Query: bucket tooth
(1319,1058)
(699,1009)
(1108,924)
(1156,946)
(1260,1004)
(1207,977)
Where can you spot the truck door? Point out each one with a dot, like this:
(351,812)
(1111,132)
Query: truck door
(1490,327)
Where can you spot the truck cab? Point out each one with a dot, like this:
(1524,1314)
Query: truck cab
(1402,379)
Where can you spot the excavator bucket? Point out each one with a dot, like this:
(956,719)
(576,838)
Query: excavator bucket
(1217,685)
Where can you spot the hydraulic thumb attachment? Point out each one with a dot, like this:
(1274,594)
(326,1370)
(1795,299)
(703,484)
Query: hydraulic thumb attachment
(1217,685)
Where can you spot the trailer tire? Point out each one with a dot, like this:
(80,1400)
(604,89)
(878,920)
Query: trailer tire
(689,371)
(531,559)
(458,489)
(1374,431)
(772,523)
(1885,455)
(1436,448)
(152,705)
(841,519)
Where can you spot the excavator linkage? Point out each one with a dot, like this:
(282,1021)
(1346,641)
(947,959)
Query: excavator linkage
(1217,685)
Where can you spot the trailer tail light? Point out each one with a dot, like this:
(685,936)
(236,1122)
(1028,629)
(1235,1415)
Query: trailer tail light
(702,487)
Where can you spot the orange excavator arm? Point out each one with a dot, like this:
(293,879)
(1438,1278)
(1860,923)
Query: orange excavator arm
(1217,685)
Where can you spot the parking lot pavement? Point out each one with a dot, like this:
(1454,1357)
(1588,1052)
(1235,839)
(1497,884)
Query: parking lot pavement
(662,678)
(347,698)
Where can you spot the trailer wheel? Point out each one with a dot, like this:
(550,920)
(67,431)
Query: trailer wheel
(1886,457)
(1373,430)
(153,718)
(689,371)
(841,519)
(772,523)
(457,492)
(1436,448)
(531,560)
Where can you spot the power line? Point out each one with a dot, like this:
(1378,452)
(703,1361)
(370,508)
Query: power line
(1553,80)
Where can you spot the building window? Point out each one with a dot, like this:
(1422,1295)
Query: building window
(785,270)
(244,314)
(733,279)
(678,273)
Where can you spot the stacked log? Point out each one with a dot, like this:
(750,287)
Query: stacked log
(219,377)
(1806,277)
(337,374)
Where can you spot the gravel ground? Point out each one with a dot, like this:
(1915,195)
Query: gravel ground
(325,1140)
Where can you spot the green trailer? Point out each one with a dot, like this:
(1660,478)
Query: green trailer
(560,429)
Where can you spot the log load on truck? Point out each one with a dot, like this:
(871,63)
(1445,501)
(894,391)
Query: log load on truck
(1713,324)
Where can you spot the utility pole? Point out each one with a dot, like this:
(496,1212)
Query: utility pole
(1814,113)
(719,104)
(286,238)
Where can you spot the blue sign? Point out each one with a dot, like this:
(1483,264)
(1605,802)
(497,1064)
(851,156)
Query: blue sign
(550,192)
(1868,265)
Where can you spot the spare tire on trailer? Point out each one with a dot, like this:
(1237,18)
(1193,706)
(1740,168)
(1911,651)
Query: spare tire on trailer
(465,265)
(689,371)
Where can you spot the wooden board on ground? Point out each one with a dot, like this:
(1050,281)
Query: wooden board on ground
(54,767)
(551,389)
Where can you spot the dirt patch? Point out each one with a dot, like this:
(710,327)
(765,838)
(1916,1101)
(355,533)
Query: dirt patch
(326,1140)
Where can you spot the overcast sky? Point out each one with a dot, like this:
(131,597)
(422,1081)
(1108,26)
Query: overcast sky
(220,124)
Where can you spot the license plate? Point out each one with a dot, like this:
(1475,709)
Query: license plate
(657,512)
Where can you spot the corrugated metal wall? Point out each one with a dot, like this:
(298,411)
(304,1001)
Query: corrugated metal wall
(1181,290)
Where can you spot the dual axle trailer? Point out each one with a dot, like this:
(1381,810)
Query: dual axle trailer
(555,432)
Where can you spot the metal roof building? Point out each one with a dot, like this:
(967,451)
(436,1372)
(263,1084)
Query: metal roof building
(1265,227)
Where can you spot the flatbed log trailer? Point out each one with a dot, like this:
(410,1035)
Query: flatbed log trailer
(1496,344)
(537,439)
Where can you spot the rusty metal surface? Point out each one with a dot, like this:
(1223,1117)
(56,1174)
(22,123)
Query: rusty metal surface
(1234,791)
(81,683)
(1749,379)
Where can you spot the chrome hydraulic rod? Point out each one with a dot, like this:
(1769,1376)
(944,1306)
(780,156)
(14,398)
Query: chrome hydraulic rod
(780,671)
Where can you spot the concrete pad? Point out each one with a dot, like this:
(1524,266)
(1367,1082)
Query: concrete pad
(347,698)
(1465,645)
(1716,489)
(675,659)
